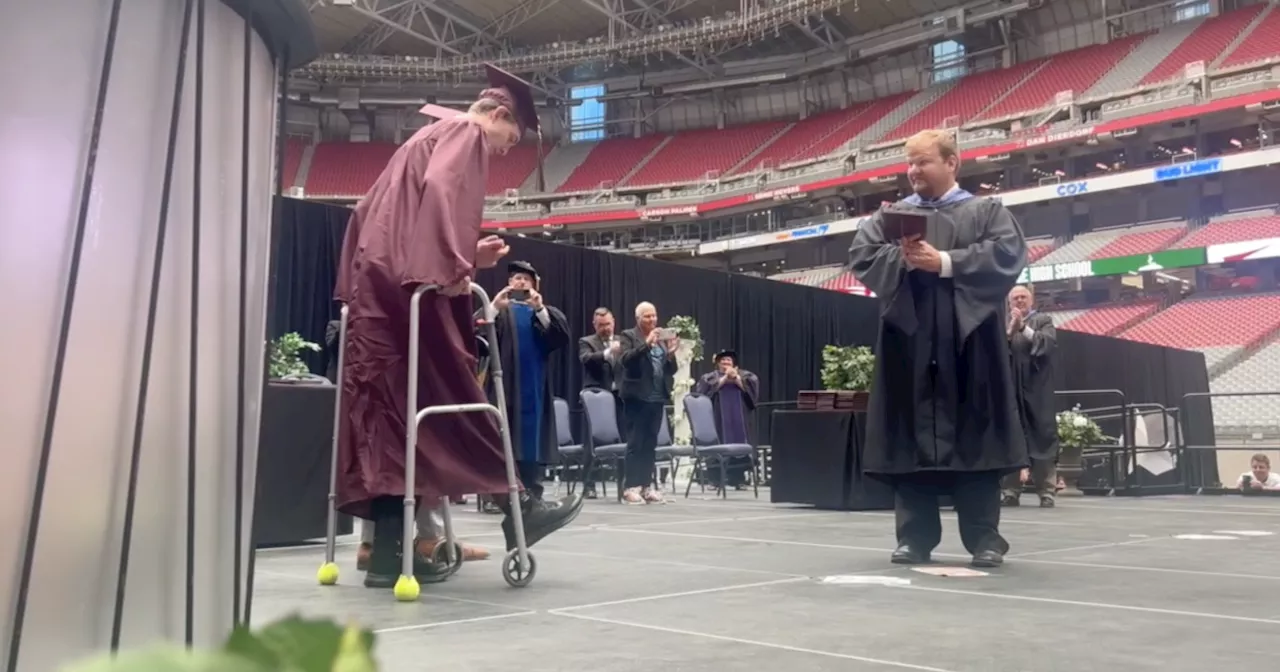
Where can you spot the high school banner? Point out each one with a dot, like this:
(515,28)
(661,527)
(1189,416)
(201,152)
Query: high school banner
(1096,268)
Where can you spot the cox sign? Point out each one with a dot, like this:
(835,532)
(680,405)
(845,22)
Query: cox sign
(1073,189)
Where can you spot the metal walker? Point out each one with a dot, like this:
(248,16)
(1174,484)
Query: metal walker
(519,565)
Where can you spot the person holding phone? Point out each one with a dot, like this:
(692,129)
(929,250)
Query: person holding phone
(599,355)
(529,331)
(1259,477)
(943,416)
(648,373)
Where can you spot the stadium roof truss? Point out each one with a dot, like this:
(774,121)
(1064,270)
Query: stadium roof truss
(446,40)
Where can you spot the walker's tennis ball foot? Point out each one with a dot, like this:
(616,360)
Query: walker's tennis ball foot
(407,589)
(328,574)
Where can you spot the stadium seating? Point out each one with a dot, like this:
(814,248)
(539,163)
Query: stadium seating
(809,276)
(824,133)
(1233,229)
(692,154)
(1037,249)
(965,101)
(346,168)
(511,171)
(1206,43)
(1106,320)
(1258,373)
(1218,326)
(610,161)
(845,282)
(1260,45)
(1075,71)
(1141,239)
(1141,242)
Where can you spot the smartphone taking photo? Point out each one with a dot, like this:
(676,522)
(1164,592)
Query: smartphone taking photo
(519,295)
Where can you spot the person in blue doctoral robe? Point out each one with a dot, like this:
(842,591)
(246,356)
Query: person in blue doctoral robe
(529,331)
(734,393)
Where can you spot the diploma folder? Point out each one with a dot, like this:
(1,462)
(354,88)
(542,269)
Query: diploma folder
(899,225)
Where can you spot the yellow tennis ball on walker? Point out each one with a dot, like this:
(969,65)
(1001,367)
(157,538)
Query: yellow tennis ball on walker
(327,574)
(406,589)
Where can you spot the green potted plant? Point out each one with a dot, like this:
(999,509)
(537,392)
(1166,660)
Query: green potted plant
(294,644)
(1076,432)
(286,356)
(846,379)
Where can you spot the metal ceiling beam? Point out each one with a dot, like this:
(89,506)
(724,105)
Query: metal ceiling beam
(375,32)
(619,15)
(517,16)
(373,10)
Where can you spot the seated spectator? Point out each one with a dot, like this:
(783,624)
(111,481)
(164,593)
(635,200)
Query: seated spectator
(1260,476)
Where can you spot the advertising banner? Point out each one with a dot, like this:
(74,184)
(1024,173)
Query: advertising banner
(1267,248)
(1141,263)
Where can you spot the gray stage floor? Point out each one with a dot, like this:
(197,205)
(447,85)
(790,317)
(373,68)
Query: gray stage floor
(703,584)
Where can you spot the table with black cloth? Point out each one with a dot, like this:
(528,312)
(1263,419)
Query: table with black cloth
(817,460)
(294,446)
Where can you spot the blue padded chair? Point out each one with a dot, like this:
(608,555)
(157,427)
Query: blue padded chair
(707,448)
(571,454)
(668,452)
(604,441)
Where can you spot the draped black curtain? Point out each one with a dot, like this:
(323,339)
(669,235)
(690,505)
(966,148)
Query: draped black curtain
(778,329)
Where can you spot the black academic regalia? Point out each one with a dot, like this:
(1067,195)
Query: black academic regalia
(749,393)
(553,336)
(1033,370)
(943,414)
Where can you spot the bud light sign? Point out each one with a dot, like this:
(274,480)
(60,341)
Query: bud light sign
(1073,189)
(1193,169)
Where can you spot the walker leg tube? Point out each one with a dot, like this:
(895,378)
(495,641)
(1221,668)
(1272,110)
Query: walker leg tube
(331,525)
(450,540)
(408,550)
(499,393)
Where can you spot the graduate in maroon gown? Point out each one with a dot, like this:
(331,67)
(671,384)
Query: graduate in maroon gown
(420,224)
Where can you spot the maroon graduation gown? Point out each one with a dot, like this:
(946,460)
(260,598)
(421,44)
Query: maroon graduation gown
(419,224)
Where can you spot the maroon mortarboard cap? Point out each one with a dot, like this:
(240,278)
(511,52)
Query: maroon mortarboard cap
(514,93)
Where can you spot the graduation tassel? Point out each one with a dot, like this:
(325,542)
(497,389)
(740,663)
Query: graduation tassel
(542,183)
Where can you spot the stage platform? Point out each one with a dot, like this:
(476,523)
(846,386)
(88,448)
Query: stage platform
(703,584)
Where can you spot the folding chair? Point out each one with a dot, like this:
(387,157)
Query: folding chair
(604,441)
(707,447)
(571,454)
(668,452)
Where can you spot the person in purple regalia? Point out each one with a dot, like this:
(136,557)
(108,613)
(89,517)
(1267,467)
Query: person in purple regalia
(734,393)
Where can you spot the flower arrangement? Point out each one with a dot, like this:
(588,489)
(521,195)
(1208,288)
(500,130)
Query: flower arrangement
(286,356)
(293,644)
(687,329)
(1078,431)
(847,367)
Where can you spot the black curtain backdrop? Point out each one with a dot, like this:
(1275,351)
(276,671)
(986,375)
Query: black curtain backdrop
(778,329)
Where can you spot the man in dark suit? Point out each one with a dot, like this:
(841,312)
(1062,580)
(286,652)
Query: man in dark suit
(599,355)
(648,371)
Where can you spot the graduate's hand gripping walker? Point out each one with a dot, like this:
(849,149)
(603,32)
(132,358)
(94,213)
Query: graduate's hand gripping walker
(519,566)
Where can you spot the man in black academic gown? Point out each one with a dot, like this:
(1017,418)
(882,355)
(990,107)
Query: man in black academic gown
(734,393)
(943,415)
(528,332)
(1033,342)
